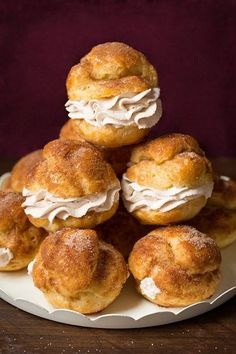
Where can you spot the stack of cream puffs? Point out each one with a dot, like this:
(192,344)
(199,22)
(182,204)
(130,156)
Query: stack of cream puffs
(71,190)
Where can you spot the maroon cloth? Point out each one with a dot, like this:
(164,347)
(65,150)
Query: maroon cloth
(191,43)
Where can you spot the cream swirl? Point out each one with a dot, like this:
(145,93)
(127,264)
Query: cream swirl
(30,267)
(149,288)
(5,256)
(143,109)
(4,180)
(42,204)
(136,196)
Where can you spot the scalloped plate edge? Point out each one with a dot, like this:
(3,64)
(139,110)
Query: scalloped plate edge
(221,298)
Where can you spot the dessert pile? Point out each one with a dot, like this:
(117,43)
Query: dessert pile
(103,201)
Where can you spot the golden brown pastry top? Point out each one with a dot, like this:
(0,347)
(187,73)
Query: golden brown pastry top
(110,69)
(11,212)
(171,160)
(174,249)
(22,168)
(81,250)
(71,169)
(74,258)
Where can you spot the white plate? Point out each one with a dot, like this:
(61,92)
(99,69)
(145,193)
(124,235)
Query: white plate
(130,310)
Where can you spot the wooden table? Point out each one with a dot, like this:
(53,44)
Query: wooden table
(213,332)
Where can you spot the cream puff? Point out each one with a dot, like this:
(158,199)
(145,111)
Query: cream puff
(169,180)
(72,186)
(16,179)
(122,231)
(22,168)
(77,271)
(218,218)
(218,223)
(224,193)
(113,96)
(19,239)
(175,266)
(5,181)
(117,157)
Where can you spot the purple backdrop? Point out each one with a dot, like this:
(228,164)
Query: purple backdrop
(191,43)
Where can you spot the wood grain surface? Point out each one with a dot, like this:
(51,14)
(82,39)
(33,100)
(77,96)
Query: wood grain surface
(213,332)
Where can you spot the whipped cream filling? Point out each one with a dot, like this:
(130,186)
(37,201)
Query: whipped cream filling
(30,267)
(42,204)
(149,288)
(225,178)
(136,196)
(143,109)
(5,256)
(3,180)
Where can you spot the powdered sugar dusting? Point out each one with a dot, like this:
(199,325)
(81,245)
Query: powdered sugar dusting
(79,241)
(198,239)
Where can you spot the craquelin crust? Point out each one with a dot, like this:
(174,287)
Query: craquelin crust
(16,232)
(182,262)
(75,270)
(110,69)
(71,169)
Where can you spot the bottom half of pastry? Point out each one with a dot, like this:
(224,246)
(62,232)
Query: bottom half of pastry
(177,288)
(109,136)
(183,212)
(79,272)
(18,247)
(89,220)
(218,223)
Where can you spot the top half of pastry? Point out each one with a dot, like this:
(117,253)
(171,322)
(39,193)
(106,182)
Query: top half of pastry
(108,70)
(22,168)
(174,160)
(71,169)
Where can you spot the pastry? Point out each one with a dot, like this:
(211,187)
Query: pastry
(72,186)
(113,95)
(169,180)
(117,157)
(224,193)
(176,266)
(122,231)
(218,218)
(5,181)
(22,168)
(77,271)
(19,239)
(218,223)
(16,179)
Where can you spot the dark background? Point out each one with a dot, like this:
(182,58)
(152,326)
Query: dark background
(190,42)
